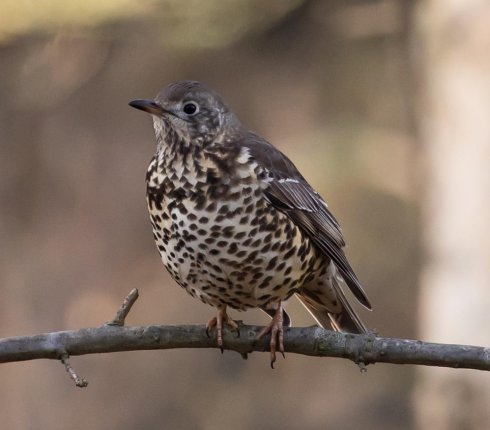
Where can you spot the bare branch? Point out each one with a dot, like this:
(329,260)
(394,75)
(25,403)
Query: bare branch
(312,341)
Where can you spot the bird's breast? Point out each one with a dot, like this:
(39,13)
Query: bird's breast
(219,237)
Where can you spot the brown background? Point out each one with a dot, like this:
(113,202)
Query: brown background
(331,83)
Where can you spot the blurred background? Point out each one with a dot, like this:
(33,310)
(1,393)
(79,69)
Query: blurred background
(384,105)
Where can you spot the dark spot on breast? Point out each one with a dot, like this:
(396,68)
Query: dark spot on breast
(199,201)
(228,231)
(223,209)
(250,208)
(272,263)
(256,243)
(290,253)
(265,283)
(211,207)
(265,248)
(243,220)
(212,177)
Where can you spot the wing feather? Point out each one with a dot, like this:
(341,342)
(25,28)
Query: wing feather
(289,192)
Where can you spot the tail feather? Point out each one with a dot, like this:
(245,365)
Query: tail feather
(345,319)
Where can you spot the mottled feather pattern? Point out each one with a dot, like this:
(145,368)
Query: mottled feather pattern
(235,222)
(209,244)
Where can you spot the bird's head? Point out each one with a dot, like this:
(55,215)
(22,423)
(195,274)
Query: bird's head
(188,113)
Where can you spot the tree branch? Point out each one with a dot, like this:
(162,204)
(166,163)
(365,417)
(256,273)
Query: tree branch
(312,341)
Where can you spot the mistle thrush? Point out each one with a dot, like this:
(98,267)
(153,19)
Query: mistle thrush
(234,221)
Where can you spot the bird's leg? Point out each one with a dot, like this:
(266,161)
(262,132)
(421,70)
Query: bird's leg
(275,328)
(218,320)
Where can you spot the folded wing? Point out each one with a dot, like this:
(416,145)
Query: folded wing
(289,192)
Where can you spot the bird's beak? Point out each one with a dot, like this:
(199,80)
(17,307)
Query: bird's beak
(148,106)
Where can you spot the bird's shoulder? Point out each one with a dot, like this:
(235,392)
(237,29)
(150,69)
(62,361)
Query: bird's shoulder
(269,157)
(288,190)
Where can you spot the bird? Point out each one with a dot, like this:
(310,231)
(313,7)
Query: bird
(236,224)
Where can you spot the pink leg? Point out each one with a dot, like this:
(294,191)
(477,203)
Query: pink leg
(276,329)
(218,321)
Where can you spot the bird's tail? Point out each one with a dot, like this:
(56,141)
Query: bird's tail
(344,318)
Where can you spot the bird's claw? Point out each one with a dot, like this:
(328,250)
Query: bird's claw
(276,329)
(218,321)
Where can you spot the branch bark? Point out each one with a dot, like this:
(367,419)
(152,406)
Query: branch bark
(312,341)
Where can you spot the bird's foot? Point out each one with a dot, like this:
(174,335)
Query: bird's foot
(218,321)
(276,329)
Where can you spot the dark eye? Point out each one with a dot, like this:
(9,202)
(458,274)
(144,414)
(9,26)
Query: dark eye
(190,108)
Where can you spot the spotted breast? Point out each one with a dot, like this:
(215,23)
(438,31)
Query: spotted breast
(217,234)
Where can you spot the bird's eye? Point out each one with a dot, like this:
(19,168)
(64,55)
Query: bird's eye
(190,108)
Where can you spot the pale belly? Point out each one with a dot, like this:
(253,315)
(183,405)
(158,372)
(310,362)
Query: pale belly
(234,252)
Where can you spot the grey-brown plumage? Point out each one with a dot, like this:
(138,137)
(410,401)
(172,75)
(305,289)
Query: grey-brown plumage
(235,223)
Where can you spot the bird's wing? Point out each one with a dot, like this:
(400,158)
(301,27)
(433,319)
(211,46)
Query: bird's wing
(289,192)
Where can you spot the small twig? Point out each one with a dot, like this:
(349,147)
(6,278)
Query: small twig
(118,320)
(123,311)
(79,382)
